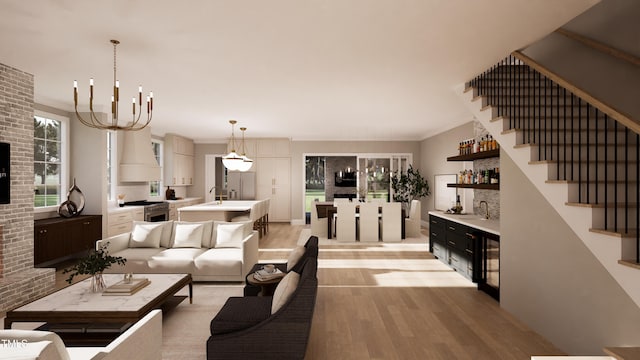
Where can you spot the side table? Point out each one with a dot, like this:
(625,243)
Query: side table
(267,287)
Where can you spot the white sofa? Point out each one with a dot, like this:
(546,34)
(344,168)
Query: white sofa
(208,250)
(142,341)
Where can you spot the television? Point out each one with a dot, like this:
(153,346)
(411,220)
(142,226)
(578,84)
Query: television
(5,197)
(346,179)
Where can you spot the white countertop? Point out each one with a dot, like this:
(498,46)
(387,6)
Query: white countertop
(472,220)
(228,205)
(117,209)
(183,200)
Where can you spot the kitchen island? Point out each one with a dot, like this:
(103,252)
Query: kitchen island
(224,211)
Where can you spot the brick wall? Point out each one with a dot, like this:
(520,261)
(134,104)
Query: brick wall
(20,282)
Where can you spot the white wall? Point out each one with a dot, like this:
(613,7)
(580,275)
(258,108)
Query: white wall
(607,78)
(433,159)
(551,281)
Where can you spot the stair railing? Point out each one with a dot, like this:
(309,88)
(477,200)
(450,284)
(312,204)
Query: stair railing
(588,147)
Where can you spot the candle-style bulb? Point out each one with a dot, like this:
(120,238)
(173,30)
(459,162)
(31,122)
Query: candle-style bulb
(75,84)
(91,82)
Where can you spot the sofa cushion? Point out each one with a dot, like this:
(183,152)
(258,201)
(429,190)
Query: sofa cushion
(240,313)
(246,230)
(187,235)
(145,235)
(207,228)
(176,261)
(137,259)
(42,344)
(223,261)
(286,287)
(167,229)
(229,235)
(295,256)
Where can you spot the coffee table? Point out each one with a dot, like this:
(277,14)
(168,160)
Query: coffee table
(76,308)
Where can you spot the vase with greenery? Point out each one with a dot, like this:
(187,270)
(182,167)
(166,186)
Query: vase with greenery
(94,264)
(408,186)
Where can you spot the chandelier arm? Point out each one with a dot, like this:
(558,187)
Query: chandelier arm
(94,121)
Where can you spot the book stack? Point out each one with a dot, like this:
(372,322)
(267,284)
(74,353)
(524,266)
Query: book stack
(266,275)
(126,288)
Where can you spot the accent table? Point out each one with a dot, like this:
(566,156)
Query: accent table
(76,304)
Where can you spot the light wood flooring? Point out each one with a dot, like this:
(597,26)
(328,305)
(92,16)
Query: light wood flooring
(398,302)
(385,301)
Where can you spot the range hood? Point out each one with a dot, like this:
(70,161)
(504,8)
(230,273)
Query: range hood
(137,161)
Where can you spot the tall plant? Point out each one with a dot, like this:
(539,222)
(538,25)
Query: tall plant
(409,186)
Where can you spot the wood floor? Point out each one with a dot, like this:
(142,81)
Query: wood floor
(399,302)
(386,301)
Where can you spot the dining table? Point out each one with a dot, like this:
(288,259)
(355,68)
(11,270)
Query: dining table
(327,209)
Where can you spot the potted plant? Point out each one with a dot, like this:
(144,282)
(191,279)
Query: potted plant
(94,264)
(409,186)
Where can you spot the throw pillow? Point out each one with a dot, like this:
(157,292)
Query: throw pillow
(284,290)
(146,235)
(229,236)
(188,236)
(295,256)
(206,231)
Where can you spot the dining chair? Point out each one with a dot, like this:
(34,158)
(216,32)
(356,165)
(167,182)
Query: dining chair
(318,225)
(254,216)
(345,221)
(412,223)
(369,222)
(340,200)
(391,226)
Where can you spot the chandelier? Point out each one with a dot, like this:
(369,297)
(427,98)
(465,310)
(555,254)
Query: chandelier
(233,161)
(94,120)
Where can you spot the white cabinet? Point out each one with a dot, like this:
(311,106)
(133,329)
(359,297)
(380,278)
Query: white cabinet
(178,160)
(278,147)
(174,205)
(120,221)
(274,182)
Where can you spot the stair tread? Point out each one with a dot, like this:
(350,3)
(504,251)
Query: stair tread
(600,181)
(631,233)
(570,130)
(633,264)
(575,144)
(553,162)
(601,205)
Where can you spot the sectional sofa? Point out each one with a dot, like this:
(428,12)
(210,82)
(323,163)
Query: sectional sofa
(142,341)
(208,250)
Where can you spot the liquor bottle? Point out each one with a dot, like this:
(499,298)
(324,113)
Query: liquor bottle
(458,208)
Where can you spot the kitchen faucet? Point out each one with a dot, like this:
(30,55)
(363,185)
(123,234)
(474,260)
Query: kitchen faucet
(486,214)
(214,195)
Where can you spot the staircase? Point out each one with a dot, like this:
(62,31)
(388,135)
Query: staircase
(583,160)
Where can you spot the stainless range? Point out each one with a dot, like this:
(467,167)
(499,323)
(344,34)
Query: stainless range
(153,210)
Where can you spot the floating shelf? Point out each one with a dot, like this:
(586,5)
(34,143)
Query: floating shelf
(475,156)
(476,186)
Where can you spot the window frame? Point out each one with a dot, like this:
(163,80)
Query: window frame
(64,158)
(160,159)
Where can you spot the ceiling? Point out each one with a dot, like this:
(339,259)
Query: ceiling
(307,70)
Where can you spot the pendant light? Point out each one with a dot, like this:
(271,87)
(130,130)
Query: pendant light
(232,161)
(246,162)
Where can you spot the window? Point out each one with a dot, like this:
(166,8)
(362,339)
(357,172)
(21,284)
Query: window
(156,186)
(50,159)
